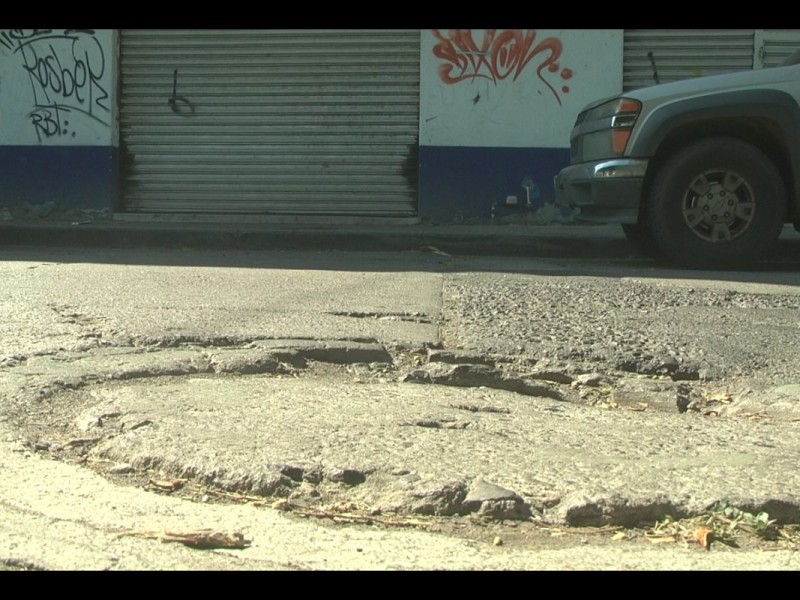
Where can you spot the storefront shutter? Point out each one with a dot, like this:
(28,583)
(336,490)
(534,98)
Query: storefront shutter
(653,56)
(292,122)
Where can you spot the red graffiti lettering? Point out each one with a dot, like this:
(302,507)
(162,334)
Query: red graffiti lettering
(499,56)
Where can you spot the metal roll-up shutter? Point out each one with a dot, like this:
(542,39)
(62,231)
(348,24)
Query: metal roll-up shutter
(776,45)
(653,56)
(308,122)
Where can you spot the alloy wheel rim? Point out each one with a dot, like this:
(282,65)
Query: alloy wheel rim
(718,205)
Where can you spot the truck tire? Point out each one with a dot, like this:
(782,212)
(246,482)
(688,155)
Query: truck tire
(718,203)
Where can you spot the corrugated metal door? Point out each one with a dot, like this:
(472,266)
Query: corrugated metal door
(653,56)
(773,46)
(270,121)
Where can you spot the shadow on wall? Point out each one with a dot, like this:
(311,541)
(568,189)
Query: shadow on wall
(467,184)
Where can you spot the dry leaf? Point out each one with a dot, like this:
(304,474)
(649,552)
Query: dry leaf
(704,536)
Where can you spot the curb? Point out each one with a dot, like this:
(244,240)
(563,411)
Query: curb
(543,241)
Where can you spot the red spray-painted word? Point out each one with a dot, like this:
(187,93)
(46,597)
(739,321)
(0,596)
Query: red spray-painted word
(500,56)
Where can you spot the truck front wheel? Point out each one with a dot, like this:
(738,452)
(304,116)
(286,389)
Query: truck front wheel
(718,203)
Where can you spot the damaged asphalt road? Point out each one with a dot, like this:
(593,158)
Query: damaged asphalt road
(411,385)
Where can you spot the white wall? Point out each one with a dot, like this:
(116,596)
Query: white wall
(57,87)
(513,87)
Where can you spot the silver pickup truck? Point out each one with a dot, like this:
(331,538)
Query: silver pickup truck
(703,172)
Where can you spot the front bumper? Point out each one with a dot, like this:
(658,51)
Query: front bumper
(609,189)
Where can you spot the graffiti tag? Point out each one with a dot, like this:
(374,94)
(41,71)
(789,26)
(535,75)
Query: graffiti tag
(65,70)
(11,37)
(50,120)
(501,55)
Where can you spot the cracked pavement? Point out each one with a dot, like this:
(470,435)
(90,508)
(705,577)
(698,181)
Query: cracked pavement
(407,384)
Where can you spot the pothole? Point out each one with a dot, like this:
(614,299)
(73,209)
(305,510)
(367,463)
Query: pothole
(285,426)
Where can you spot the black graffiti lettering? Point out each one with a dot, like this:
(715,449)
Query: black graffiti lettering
(56,73)
(52,77)
(10,38)
(64,80)
(28,34)
(78,78)
(68,73)
(178,104)
(66,70)
(95,71)
(46,121)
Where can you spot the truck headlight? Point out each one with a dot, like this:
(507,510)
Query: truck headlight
(605,129)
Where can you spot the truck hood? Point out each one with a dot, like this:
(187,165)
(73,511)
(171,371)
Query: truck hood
(698,86)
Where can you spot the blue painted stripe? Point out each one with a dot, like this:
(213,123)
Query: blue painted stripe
(459,183)
(67,176)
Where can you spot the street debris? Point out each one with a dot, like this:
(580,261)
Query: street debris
(201,539)
(704,537)
(434,250)
(81,442)
(165,485)
(343,514)
(722,523)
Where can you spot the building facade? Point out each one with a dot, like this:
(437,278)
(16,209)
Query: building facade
(319,125)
